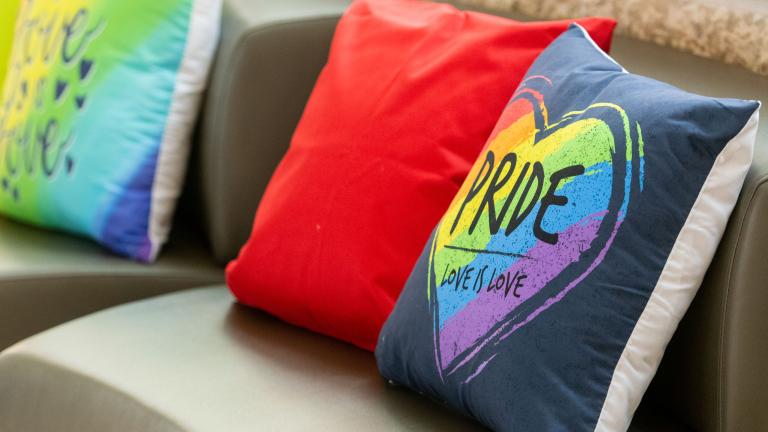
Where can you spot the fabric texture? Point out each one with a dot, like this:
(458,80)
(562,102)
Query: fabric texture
(96,115)
(9,9)
(547,293)
(410,92)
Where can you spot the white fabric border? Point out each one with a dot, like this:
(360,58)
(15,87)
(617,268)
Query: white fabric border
(679,280)
(597,48)
(192,77)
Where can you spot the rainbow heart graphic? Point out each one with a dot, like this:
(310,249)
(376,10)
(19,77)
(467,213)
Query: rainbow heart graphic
(537,214)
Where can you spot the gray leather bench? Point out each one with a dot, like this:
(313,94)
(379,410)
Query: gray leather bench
(49,278)
(194,361)
(197,361)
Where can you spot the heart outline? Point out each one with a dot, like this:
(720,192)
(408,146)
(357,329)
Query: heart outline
(555,289)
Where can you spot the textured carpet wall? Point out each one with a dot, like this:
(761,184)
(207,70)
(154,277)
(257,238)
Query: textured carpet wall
(734,32)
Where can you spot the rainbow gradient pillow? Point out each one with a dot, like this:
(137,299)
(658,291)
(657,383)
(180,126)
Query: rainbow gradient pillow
(546,295)
(96,113)
(8,11)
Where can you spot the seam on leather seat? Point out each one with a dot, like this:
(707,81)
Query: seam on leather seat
(236,56)
(14,352)
(724,309)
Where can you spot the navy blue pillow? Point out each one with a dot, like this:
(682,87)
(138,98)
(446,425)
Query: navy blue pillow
(545,296)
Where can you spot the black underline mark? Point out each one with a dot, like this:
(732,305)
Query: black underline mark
(485,251)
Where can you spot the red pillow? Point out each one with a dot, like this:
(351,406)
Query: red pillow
(410,93)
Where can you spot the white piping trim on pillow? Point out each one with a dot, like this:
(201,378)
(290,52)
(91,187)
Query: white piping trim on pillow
(679,280)
(597,47)
(191,79)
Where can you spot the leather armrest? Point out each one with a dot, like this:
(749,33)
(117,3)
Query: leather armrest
(270,55)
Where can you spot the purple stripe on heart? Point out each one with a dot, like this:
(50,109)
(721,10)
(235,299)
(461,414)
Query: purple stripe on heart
(505,331)
(490,307)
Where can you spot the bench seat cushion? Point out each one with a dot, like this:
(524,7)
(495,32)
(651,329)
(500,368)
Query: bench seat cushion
(48,278)
(197,361)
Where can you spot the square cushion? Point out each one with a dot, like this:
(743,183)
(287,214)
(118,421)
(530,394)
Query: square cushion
(96,113)
(410,92)
(547,293)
